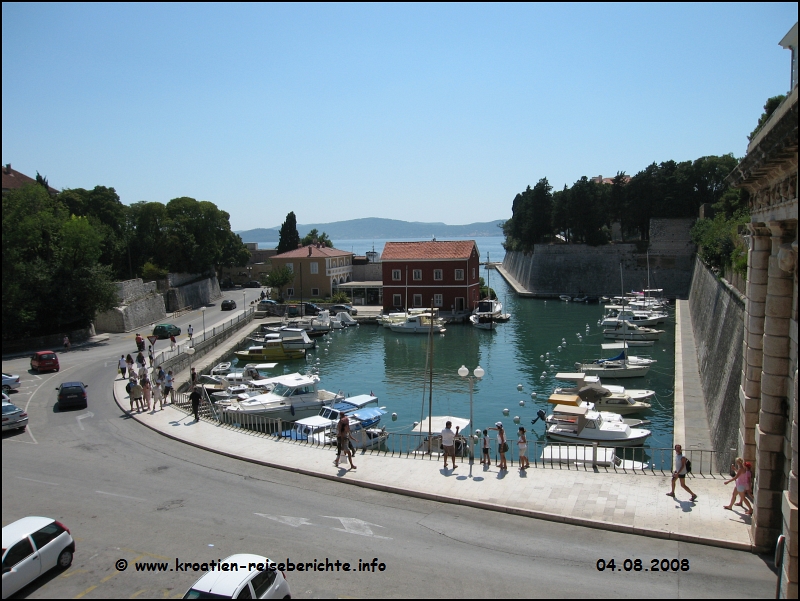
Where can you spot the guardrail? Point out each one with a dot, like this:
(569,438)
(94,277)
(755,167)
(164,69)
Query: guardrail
(633,460)
(181,311)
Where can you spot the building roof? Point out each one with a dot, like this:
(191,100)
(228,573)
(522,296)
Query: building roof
(426,251)
(316,251)
(13,180)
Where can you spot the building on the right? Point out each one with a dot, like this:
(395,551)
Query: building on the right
(768,392)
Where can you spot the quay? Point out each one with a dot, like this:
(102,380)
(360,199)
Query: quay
(633,503)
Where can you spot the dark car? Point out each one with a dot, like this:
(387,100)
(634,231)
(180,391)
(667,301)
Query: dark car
(45,361)
(346,308)
(228,305)
(165,330)
(311,309)
(253,284)
(72,394)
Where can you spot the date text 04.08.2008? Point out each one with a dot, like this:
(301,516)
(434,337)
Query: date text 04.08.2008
(637,565)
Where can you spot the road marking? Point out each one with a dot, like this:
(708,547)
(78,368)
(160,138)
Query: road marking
(84,416)
(111,494)
(355,526)
(106,579)
(288,520)
(39,481)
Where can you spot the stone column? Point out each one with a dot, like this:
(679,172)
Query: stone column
(755,304)
(771,431)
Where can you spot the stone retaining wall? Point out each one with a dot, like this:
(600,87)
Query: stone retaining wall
(193,295)
(717,314)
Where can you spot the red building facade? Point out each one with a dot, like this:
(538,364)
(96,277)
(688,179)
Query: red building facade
(444,274)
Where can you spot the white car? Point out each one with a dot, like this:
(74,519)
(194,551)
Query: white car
(246,582)
(14,418)
(31,547)
(10,381)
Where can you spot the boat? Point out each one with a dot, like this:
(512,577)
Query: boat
(310,427)
(580,380)
(484,322)
(583,425)
(396,317)
(627,331)
(617,367)
(617,406)
(292,338)
(344,318)
(588,456)
(293,397)
(618,313)
(565,297)
(271,349)
(421,323)
(434,425)
(221,368)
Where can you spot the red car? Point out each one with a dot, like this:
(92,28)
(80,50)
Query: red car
(44,361)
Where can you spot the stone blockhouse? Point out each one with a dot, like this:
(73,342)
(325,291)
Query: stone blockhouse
(768,390)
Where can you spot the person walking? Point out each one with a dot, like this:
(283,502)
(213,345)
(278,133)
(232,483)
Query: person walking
(502,445)
(190,331)
(487,459)
(343,437)
(195,398)
(169,387)
(680,473)
(147,389)
(158,395)
(123,367)
(150,357)
(522,443)
(67,343)
(449,443)
(129,364)
(742,479)
(194,377)
(172,342)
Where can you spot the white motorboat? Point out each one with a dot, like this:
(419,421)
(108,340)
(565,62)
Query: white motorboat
(434,425)
(618,313)
(292,338)
(582,425)
(627,331)
(422,323)
(396,317)
(345,319)
(293,397)
(327,418)
(581,380)
(565,297)
(588,456)
(221,369)
(483,322)
(602,400)
(617,367)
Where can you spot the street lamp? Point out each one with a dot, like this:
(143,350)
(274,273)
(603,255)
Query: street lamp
(464,373)
(203,309)
(190,352)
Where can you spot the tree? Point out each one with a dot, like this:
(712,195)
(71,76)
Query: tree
(289,237)
(769,107)
(314,237)
(279,278)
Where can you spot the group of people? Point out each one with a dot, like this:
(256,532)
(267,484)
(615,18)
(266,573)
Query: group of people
(449,446)
(141,389)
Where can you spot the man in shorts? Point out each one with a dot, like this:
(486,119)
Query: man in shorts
(169,385)
(449,443)
(680,472)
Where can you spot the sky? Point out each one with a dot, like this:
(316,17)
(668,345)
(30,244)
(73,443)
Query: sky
(417,112)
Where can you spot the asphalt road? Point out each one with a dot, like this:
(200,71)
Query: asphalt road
(128,493)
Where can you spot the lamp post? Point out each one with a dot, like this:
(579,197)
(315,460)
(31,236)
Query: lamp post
(203,309)
(478,374)
(190,352)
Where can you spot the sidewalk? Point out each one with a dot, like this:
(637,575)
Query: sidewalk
(634,504)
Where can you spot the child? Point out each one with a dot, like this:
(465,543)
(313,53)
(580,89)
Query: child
(742,478)
(486,457)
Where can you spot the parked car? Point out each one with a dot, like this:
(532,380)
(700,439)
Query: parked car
(10,381)
(311,309)
(45,361)
(242,583)
(31,547)
(228,305)
(14,418)
(72,394)
(252,284)
(346,308)
(165,330)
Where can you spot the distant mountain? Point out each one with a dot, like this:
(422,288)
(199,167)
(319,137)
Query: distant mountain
(384,229)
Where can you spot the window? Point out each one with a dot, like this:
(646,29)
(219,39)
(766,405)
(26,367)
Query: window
(262,582)
(417,300)
(473,273)
(17,553)
(437,274)
(314,267)
(417,274)
(290,292)
(396,276)
(437,300)
(46,534)
(245,593)
(397,300)
(315,292)
(459,274)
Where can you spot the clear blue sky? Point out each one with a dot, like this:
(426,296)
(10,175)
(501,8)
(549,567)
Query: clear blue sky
(412,112)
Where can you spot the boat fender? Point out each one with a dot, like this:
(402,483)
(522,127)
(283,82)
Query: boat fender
(291,410)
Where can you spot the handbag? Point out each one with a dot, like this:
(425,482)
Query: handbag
(504,447)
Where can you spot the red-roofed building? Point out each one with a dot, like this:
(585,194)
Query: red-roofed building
(318,270)
(13,180)
(445,273)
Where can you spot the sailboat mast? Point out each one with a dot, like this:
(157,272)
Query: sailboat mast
(430,375)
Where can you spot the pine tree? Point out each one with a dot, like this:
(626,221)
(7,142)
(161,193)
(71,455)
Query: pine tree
(289,236)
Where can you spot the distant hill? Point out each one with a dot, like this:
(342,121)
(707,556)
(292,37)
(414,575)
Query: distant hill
(385,229)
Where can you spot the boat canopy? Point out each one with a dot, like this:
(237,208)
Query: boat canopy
(564,399)
(577,377)
(571,410)
(438,423)
(368,413)
(612,346)
(361,400)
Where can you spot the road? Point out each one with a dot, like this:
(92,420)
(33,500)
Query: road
(128,493)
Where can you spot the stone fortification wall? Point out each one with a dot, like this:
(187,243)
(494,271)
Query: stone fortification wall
(555,269)
(140,304)
(193,295)
(717,312)
(371,272)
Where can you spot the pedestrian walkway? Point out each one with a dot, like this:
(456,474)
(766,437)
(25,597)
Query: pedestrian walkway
(631,503)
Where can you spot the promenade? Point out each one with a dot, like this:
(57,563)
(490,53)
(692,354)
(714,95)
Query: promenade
(597,498)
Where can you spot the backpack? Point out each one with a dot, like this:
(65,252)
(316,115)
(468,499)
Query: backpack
(688,467)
